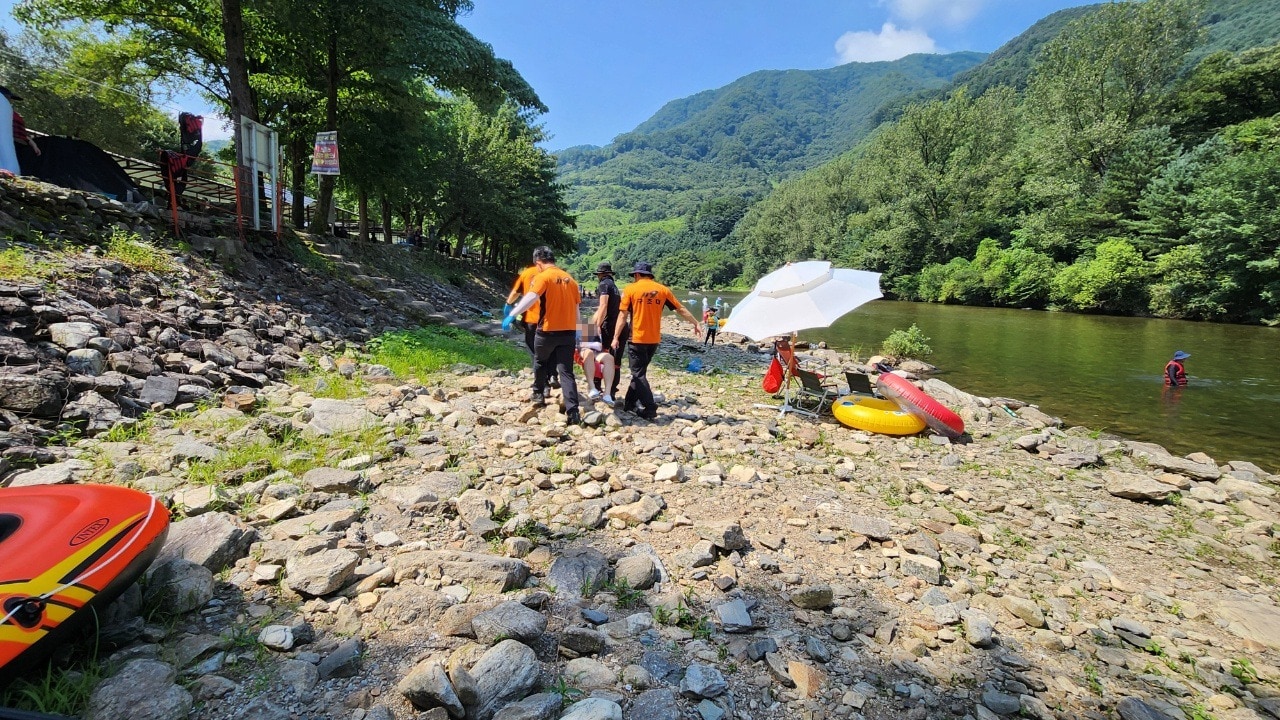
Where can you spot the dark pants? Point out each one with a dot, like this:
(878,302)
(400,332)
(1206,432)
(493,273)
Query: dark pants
(531,331)
(711,336)
(639,395)
(553,351)
(617,357)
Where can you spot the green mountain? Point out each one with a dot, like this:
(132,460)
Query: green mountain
(744,137)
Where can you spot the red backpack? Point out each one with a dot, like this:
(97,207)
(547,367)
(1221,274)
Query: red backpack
(772,382)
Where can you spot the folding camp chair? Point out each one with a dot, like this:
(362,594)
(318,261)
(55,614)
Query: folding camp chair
(807,394)
(803,391)
(859,383)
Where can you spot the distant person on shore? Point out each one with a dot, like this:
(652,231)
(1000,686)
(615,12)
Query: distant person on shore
(23,143)
(554,341)
(713,326)
(606,319)
(642,303)
(1175,373)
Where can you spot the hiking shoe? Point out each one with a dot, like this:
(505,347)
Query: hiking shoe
(574,417)
(607,400)
(649,414)
(555,383)
(594,394)
(537,399)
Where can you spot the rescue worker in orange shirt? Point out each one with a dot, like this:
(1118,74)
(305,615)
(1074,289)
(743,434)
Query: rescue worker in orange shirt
(554,341)
(643,302)
(530,317)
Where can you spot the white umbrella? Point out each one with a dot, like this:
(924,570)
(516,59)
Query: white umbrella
(801,295)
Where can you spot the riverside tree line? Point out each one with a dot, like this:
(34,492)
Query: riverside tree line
(1121,179)
(435,131)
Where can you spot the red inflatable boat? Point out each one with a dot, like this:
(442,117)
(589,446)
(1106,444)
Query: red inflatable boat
(915,401)
(65,550)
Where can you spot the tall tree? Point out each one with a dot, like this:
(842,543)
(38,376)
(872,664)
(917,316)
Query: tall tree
(1100,79)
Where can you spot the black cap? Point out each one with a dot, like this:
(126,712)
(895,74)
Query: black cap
(9,93)
(604,268)
(643,268)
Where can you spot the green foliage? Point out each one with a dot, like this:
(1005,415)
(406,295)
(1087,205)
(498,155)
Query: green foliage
(1244,671)
(1114,278)
(130,249)
(909,343)
(419,353)
(1107,187)
(17,264)
(57,691)
(628,597)
(89,86)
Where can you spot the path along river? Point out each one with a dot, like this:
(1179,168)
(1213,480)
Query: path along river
(1100,372)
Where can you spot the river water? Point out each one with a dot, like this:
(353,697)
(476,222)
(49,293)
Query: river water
(1100,372)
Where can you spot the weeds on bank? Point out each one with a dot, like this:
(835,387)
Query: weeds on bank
(129,432)
(417,353)
(307,256)
(628,597)
(262,458)
(1243,670)
(130,249)
(58,691)
(16,264)
(566,690)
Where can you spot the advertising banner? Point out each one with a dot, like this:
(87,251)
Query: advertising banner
(324,159)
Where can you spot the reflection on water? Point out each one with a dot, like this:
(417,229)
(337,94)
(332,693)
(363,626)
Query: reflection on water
(1102,372)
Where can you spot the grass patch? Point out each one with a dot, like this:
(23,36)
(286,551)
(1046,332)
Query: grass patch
(415,353)
(266,457)
(16,264)
(58,691)
(130,249)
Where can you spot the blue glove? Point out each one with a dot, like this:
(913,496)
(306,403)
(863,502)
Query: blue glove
(506,323)
(506,309)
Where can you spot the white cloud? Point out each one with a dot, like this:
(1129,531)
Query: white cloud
(888,44)
(949,13)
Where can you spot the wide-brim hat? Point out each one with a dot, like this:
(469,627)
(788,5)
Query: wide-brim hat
(9,93)
(1179,355)
(604,268)
(643,268)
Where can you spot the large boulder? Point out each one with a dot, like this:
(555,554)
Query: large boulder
(214,540)
(40,395)
(142,690)
(506,672)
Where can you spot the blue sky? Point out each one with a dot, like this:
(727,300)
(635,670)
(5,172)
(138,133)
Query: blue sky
(603,67)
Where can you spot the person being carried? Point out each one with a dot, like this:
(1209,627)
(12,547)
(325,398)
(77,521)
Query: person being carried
(553,343)
(597,364)
(1175,373)
(643,302)
(606,319)
(713,325)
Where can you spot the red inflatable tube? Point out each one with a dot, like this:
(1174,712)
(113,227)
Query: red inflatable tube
(914,400)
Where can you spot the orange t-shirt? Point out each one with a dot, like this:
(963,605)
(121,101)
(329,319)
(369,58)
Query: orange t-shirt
(645,299)
(521,287)
(559,294)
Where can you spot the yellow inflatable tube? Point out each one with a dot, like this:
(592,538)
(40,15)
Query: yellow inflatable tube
(876,415)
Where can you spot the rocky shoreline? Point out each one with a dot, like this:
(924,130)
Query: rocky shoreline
(442,550)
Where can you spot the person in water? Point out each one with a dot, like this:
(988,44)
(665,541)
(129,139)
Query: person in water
(1175,373)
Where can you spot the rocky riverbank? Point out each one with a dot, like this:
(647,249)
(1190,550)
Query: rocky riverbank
(350,544)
